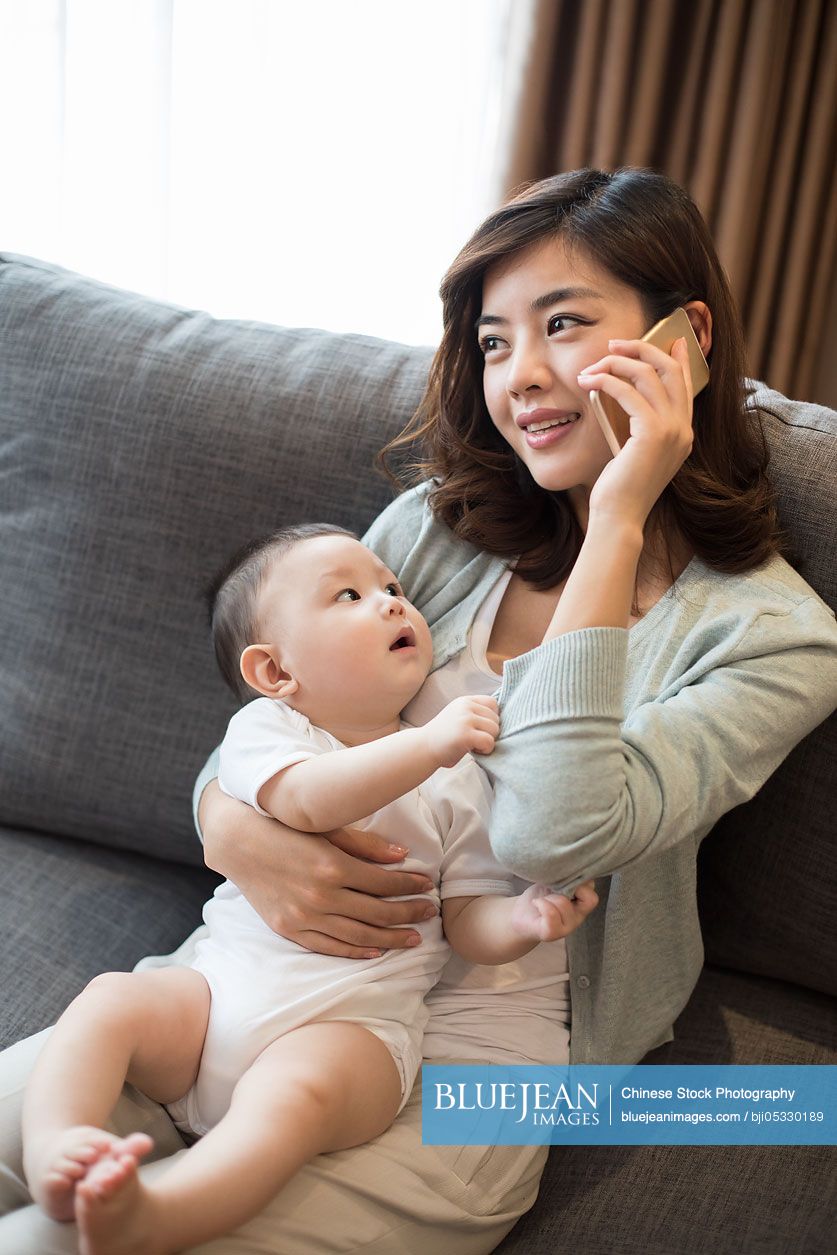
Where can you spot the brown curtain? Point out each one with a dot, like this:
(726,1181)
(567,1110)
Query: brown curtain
(737,101)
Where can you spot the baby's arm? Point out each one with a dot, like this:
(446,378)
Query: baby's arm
(493,930)
(332,790)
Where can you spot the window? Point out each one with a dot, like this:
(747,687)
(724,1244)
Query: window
(312,163)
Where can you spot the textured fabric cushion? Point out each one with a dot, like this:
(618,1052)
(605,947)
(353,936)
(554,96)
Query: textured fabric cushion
(71,909)
(803,466)
(768,870)
(701,1200)
(681,1200)
(139,445)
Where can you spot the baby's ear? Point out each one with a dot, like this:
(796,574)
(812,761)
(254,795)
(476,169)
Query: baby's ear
(262,670)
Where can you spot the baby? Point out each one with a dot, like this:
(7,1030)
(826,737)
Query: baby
(266,1052)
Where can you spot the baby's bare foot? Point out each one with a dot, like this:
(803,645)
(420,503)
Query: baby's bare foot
(114,1211)
(62,1161)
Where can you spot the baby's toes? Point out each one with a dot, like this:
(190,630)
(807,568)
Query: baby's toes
(67,1169)
(138,1144)
(56,1190)
(86,1154)
(105,1177)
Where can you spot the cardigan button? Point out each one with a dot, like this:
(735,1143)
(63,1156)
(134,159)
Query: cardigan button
(583,982)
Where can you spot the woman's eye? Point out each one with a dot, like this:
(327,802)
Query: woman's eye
(488,344)
(564,320)
(348,594)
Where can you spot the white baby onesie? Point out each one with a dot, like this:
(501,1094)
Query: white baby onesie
(264,986)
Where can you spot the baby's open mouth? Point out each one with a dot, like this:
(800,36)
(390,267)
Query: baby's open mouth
(405,641)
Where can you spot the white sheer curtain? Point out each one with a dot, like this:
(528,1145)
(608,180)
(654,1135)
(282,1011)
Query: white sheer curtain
(312,162)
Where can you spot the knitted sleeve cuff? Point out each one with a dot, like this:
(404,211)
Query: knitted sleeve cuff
(579,674)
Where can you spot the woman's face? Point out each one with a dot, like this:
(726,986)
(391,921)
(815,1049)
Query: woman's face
(546,314)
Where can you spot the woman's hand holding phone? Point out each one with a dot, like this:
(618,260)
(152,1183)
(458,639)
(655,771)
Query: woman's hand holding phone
(654,388)
(613,419)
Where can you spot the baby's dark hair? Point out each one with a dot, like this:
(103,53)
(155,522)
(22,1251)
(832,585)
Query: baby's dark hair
(232,597)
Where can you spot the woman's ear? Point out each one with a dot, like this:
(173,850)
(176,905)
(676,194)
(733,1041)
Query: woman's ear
(700,316)
(262,670)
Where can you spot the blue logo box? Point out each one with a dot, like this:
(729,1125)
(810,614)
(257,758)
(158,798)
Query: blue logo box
(644,1105)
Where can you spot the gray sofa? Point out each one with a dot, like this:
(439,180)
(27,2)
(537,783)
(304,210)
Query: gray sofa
(140,444)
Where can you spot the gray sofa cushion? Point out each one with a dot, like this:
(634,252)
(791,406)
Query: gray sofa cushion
(803,444)
(139,445)
(768,870)
(684,1200)
(72,909)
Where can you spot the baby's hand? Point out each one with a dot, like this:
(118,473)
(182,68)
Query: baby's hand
(466,724)
(541,915)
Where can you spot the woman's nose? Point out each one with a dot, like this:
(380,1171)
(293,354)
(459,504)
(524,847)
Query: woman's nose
(528,369)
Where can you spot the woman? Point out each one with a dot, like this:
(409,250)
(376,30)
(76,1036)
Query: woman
(658,660)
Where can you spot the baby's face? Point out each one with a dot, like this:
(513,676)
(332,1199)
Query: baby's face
(344,630)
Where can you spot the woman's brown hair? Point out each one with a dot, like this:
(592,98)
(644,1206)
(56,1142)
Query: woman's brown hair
(646,231)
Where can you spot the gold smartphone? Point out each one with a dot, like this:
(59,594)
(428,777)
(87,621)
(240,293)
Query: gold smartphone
(613,420)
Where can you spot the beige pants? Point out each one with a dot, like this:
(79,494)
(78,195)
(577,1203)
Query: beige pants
(392,1196)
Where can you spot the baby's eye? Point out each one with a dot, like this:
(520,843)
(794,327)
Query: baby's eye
(348,594)
(394,590)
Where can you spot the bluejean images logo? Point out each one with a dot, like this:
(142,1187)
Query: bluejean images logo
(467,1105)
(543,1102)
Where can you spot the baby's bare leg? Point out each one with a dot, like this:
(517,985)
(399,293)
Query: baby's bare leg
(146,1028)
(321,1087)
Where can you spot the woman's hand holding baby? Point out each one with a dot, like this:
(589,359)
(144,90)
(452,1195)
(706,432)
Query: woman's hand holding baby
(324,893)
(466,725)
(542,915)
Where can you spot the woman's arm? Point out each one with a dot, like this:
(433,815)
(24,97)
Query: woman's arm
(321,892)
(655,390)
(581,791)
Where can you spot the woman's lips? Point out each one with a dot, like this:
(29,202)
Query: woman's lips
(564,423)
